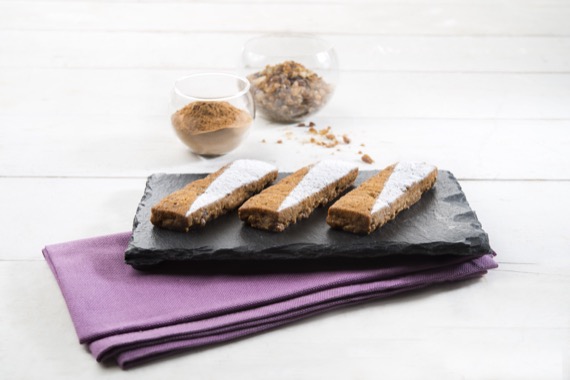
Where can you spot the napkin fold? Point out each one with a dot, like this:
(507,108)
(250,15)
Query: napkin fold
(132,316)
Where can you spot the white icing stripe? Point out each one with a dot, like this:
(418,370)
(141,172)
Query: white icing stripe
(320,175)
(405,174)
(238,174)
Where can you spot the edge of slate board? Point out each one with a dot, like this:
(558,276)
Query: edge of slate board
(150,245)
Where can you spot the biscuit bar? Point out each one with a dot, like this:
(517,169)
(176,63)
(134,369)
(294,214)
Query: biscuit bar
(382,197)
(206,199)
(296,196)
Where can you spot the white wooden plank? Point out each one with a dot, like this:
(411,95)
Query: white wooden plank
(181,51)
(523,223)
(508,325)
(371,18)
(46,211)
(359,94)
(59,210)
(245,2)
(119,146)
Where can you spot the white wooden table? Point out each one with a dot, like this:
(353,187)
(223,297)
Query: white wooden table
(478,87)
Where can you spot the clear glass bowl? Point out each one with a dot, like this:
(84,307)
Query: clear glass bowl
(292,76)
(212,112)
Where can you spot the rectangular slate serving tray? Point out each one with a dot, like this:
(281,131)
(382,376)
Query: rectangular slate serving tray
(441,223)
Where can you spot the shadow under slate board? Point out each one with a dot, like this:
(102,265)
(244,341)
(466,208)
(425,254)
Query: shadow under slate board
(441,223)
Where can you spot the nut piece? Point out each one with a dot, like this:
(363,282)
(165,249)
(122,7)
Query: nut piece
(346,139)
(366,158)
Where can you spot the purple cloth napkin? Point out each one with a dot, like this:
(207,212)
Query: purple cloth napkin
(132,316)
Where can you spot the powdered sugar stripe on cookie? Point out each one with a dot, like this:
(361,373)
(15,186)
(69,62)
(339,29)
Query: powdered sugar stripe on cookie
(405,174)
(319,176)
(238,174)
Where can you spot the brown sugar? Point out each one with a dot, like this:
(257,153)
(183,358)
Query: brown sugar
(202,117)
(210,127)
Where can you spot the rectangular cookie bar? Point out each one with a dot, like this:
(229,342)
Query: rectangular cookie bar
(296,196)
(207,198)
(382,197)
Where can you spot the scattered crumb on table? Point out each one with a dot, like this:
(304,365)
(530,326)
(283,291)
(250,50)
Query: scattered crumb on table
(366,158)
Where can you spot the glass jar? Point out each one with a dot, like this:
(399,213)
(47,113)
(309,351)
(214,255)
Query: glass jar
(292,76)
(212,112)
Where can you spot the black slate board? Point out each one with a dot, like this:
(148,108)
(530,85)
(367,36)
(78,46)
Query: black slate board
(440,223)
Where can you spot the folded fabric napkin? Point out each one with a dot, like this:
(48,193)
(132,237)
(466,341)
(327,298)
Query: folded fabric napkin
(132,316)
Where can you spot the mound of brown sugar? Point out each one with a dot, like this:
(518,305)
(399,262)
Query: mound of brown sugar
(202,116)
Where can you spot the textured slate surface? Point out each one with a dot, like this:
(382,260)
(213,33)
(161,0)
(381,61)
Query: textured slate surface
(442,222)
